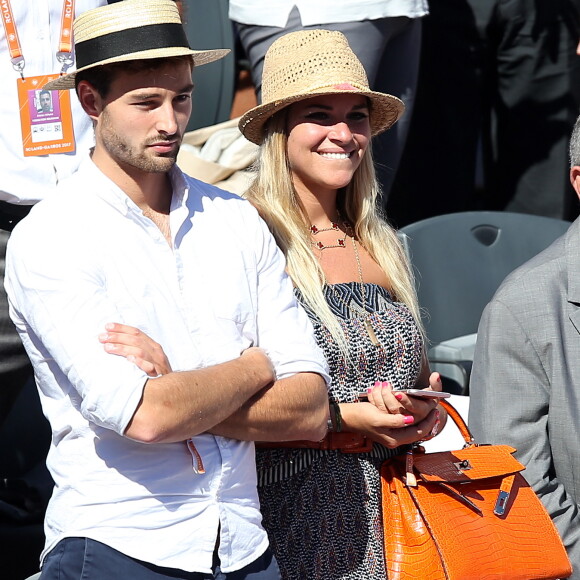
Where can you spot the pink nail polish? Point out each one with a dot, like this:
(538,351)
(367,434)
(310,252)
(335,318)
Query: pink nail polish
(398,396)
(435,429)
(377,384)
(409,419)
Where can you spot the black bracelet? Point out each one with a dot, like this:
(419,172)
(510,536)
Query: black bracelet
(335,422)
(330,423)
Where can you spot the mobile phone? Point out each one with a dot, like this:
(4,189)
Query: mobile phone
(416,393)
(425,393)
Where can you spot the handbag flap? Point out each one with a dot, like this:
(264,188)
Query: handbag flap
(472,463)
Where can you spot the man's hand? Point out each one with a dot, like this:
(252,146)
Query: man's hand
(137,347)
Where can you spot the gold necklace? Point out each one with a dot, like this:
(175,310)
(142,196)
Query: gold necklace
(366,315)
(340,242)
(352,306)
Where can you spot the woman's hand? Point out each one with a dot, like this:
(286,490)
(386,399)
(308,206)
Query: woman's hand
(385,399)
(390,430)
(137,347)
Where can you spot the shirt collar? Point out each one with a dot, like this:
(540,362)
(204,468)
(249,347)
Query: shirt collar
(180,188)
(108,190)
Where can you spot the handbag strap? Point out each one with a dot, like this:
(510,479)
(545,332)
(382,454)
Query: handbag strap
(458,419)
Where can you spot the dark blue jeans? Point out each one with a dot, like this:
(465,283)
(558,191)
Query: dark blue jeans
(85,559)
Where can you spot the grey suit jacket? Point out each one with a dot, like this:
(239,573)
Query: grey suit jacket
(525,384)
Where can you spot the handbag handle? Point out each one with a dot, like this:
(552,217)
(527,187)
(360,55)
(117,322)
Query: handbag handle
(458,419)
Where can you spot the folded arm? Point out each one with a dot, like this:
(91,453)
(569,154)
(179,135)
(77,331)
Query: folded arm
(240,398)
(180,405)
(292,408)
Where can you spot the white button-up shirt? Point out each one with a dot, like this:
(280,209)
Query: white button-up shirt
(26,180)
(87,256)
(313,12)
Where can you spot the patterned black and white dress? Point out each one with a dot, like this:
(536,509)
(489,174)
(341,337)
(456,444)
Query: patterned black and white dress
(322,508)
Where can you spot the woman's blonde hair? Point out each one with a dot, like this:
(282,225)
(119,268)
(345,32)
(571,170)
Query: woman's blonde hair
(273,194)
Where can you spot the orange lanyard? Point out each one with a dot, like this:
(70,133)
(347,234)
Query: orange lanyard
(64,54)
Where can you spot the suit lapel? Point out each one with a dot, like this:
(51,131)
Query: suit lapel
(572,249)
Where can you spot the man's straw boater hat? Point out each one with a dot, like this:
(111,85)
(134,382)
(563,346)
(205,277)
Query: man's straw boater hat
(309,63)
(130,30)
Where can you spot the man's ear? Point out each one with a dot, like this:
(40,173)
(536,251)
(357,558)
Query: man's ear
(575,179)
(90,99)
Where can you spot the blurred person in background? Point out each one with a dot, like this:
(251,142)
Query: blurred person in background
(501,143)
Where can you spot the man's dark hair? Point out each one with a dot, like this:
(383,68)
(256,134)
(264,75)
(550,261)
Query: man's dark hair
(44,92)
(101,77)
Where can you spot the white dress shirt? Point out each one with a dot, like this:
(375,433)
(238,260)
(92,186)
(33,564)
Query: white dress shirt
(87,256)
(312,12)
(26,180)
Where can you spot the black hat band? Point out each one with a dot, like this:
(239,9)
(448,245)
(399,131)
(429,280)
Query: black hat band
(130,40)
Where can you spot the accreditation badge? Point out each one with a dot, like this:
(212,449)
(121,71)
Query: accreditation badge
(45,117)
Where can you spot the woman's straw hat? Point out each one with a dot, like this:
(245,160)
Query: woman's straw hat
(130,30)
(308,63)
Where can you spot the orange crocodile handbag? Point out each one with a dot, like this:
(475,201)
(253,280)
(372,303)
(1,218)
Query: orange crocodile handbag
(466,515)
